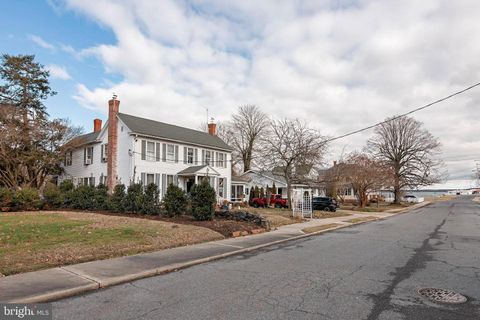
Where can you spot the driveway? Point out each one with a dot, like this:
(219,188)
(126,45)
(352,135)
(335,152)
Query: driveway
(369,271)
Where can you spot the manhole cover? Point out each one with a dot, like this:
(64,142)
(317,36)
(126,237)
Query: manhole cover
(442,295)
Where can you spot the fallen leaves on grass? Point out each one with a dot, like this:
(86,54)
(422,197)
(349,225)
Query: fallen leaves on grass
(36,240)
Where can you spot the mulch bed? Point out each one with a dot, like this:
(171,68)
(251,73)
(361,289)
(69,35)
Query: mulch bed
(222,226)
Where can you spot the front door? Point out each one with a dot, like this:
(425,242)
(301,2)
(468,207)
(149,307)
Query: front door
(190,183)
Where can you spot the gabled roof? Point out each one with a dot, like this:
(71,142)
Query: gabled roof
(85,138)
(171,132)
(267,174)
(198,170)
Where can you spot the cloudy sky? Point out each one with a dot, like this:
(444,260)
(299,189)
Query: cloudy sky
(339,65)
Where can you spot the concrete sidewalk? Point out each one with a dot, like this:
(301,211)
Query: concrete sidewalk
(57,283)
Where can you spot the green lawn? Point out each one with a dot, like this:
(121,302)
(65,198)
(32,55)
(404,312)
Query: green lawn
(31,241)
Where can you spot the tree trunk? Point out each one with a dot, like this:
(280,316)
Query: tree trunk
(362,195)
(397,193)
(289,194)
(246,163)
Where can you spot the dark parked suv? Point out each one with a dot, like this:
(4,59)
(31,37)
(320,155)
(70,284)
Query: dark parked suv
(324,203)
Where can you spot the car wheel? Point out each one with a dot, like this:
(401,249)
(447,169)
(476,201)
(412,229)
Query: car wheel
(278,206)
(327,209)
(255,205)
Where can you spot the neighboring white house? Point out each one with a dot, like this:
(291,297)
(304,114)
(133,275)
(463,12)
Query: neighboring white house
(130,148)
(260,178)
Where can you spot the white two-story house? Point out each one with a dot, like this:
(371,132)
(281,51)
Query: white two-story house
(131,149)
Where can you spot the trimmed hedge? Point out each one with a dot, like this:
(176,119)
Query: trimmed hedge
(203,199)
(174,201)
(52,197)
(6,199)
(116,200)
(135,199)
(27,199)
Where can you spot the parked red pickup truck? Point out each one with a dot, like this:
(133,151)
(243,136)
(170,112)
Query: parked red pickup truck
(276,200)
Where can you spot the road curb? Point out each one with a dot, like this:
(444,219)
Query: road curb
(97,283)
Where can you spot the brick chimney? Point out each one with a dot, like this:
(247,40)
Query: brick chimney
(113,108)
(212,127)
(97,125)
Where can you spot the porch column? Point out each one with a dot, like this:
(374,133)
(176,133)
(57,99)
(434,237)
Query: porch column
(196,179)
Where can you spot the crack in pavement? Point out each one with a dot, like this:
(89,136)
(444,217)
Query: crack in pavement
(417,261)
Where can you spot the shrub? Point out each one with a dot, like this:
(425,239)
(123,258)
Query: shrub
(67,189)
(6,199)
(203,201)
(66,185)
(101,197)
(116,200)
(83,197)
(174,201)
(27,199)
(132,202)
(52,196)
(149,200)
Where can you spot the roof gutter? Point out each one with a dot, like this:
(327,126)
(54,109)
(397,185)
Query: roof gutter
(179,141)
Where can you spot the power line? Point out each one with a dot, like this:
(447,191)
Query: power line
(385,121)
(404,114)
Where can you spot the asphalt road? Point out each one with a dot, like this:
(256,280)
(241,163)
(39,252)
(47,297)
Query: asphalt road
(369,271)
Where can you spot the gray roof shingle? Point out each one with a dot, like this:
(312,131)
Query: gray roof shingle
(85,138)
(171,132)
(191,169)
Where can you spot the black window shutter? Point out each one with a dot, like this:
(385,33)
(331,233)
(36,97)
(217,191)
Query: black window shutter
(196,156)
(176,154)
(85,156)
(164,183)
(157,151)
(185,155)
(164,152)
(144,149)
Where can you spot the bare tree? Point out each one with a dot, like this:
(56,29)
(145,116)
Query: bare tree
(246,129)
(408,149)
(226,133)
(290,144)
(365,174)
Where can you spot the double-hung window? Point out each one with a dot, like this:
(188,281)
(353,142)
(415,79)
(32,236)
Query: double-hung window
(220,160)
(208,157)
(170,153)
(170,179)
(68,158)
(150,178)
(150,151)
(190,155)
(88,155)
(104,152)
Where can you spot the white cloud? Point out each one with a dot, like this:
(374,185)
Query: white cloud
(340,65)
(42,43)
(58,72)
